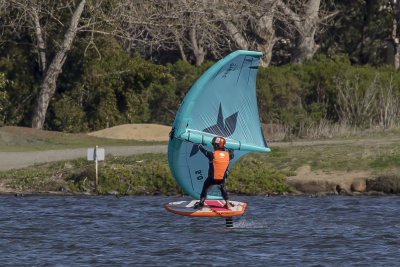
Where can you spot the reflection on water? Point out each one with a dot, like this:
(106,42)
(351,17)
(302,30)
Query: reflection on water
(333,230)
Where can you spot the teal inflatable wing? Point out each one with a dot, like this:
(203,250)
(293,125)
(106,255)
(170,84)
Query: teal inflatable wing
(222,102)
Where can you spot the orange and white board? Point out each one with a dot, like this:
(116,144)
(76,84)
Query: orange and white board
(212,208)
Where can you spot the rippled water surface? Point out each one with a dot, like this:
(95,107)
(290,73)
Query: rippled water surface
(137,231)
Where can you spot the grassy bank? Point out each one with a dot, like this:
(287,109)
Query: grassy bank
(146,174)
(254,174)
(376,154)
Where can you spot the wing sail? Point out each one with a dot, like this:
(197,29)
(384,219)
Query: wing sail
(222,102)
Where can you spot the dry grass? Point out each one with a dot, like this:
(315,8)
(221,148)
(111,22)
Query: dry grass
(324,130)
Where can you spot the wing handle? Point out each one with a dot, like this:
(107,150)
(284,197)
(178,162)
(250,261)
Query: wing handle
(197,137)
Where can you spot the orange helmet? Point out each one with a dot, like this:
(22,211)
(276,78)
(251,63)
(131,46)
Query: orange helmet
(218,142)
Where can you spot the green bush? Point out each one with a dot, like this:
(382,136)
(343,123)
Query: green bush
(252,176)
(23,79)
(110,90)
(68,115)
(106,86)
(31,179)
(279,95)
(145,175)
(329,90)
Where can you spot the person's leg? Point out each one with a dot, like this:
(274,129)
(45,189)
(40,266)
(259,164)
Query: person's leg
(223,191)
(225,195)
(206,186)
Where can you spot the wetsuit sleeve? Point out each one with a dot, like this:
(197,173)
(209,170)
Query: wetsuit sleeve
(231,154)
(206,153)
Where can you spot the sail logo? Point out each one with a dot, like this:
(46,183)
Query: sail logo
(224,127)
(231,67)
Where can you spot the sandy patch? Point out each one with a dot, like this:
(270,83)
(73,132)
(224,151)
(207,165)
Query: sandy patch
(141,132)
(322,182)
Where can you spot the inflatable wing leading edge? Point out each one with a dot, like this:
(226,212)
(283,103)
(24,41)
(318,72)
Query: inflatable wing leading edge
(222,102)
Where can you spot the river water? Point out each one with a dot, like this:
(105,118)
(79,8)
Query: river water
(137,231)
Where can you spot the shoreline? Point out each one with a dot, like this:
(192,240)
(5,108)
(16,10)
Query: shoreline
(29,193)
(304,183)
(55,193)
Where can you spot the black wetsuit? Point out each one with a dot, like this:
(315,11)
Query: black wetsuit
(210,181)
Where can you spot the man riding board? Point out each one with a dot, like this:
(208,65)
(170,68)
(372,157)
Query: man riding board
(217,170)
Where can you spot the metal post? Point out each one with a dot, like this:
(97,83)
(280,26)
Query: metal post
(229,222)
(96,166)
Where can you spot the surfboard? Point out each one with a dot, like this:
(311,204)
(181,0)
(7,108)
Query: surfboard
(212,208)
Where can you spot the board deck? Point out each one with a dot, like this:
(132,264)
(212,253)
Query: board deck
(212,208)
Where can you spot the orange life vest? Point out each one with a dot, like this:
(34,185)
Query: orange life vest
(220,162)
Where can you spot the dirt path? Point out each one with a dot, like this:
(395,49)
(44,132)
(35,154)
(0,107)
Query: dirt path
(15,160)
(148,132)
(10,160)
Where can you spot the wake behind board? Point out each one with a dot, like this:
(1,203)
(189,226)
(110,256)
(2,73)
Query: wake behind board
(212,208)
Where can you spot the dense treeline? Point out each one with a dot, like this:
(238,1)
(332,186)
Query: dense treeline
(120,89)
(324,94)
(324,72)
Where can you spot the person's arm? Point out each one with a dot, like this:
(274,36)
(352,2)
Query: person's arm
(206,153)
(202,149)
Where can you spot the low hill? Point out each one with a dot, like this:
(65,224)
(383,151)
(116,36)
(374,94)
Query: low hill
(140,132)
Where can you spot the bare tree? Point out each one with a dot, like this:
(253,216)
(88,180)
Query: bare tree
(193,29)
(44,20)
(212,27)
(140,25)
(304,17)
(186,26)
(266,31)
(253,24)
(51,73)
(54,26)
(393,50)
(250,25)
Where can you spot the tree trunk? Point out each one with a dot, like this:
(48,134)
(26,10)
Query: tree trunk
(305,45)
(234,33)
(265,30)
(305,48)
(40,40)
(180,46)
(393,49)
(48,84)
(306,23)
(198,49)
